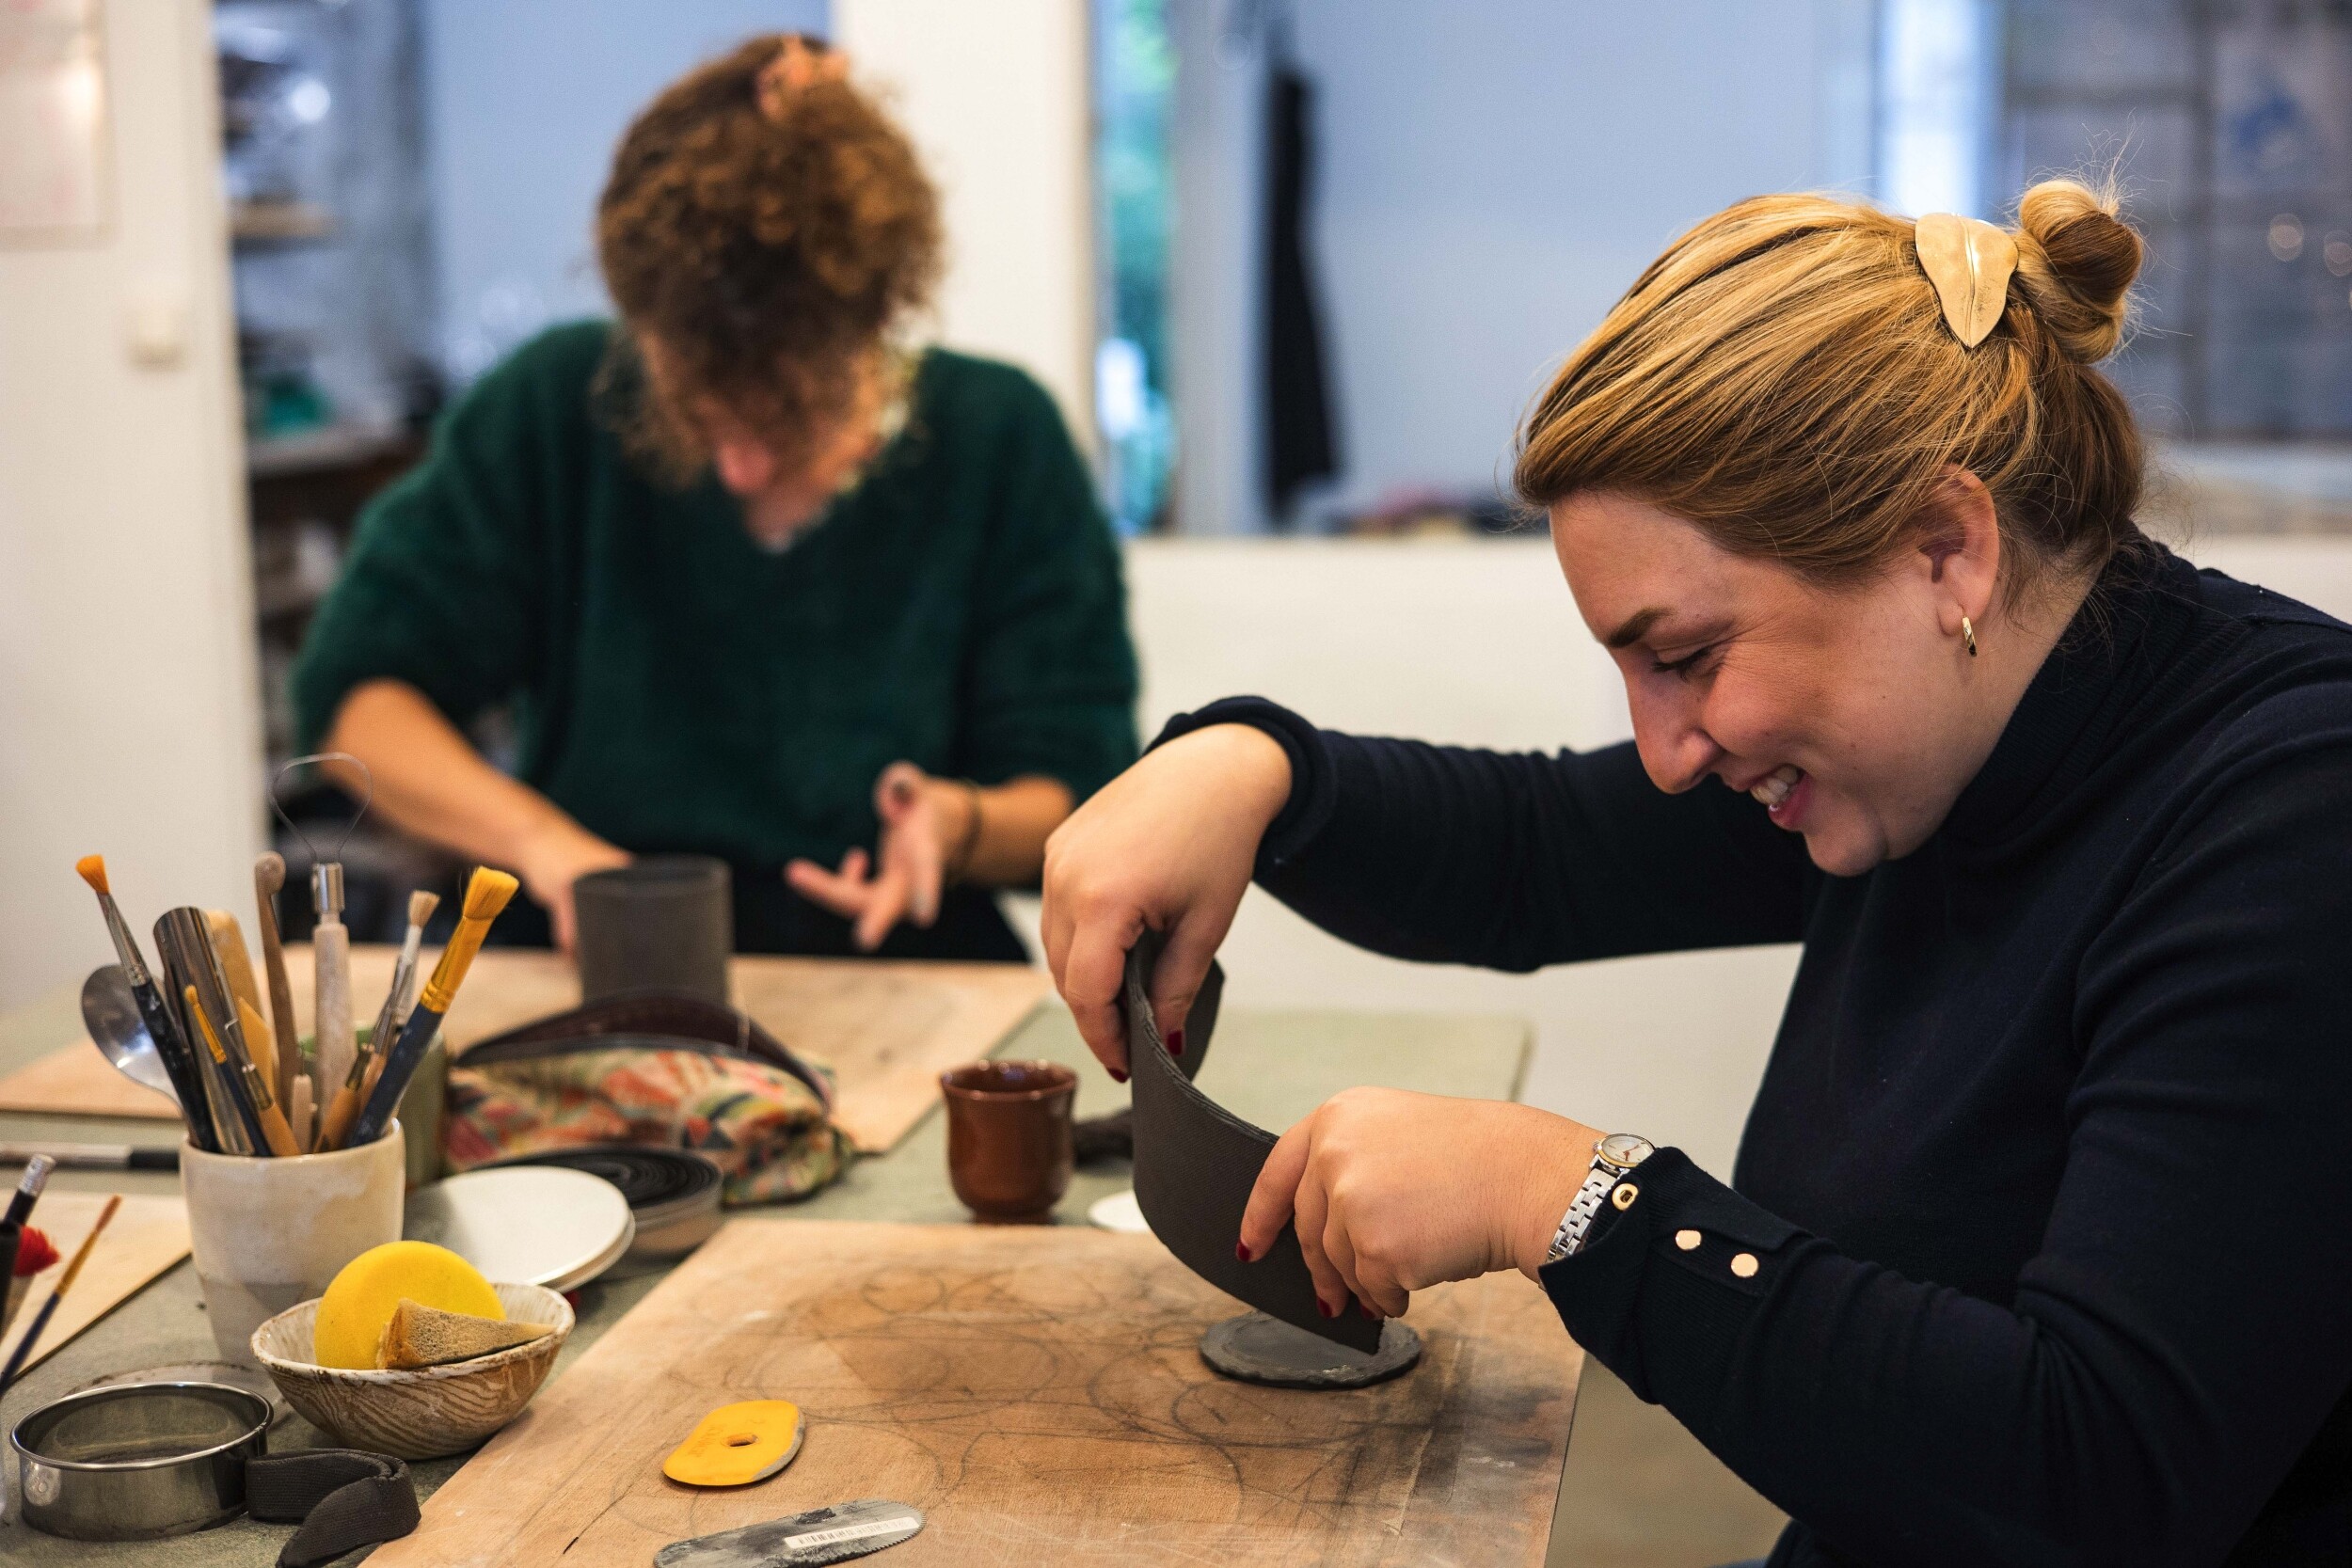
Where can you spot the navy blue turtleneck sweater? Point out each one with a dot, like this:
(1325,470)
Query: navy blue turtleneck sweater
(2038,1249)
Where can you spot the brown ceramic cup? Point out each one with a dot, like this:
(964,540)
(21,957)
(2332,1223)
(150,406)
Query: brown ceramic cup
(1008,1147)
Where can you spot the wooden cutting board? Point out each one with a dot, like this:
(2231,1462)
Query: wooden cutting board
(886,1029)
(1039,1394)
(147,1236)
(78,1081)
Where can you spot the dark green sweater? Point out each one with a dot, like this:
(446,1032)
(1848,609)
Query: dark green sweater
(677,686)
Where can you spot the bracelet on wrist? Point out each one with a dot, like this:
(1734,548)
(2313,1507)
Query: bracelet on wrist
(960,861)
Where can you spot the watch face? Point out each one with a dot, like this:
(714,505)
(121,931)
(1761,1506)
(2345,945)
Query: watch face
(1623,1149)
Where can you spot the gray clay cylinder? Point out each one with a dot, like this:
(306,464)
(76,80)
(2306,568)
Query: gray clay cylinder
(663,923)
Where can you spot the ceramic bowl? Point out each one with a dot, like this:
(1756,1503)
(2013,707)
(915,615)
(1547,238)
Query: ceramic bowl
(415,1414)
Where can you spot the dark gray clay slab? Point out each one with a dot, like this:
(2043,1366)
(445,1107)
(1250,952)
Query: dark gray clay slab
(1195,1163)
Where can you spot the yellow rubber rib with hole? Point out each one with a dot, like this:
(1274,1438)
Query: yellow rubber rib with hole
(738,1444)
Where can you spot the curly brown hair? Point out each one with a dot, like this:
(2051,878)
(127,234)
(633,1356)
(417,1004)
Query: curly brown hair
(768,239)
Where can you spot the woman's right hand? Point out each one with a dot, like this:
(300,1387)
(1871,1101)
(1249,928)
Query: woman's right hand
(429,781)
(558,854)
(1167,845)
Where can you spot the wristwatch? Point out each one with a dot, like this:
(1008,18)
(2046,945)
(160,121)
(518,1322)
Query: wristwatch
(1614,1159)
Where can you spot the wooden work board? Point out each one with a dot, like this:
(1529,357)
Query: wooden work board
(886,1029)
(1039,1395)
(148,1235)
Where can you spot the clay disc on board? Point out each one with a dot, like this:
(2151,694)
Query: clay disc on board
(1258,1349)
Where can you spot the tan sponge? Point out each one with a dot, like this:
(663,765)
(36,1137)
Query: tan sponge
(420,1336)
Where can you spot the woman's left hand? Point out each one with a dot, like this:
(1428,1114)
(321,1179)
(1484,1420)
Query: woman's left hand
(925,822)
(1393,1192)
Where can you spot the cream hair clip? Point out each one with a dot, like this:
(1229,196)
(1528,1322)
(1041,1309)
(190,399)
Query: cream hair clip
(1970,262)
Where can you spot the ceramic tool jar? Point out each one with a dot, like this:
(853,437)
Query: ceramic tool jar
(269,1233)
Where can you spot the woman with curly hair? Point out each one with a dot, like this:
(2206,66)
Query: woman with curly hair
(759,581)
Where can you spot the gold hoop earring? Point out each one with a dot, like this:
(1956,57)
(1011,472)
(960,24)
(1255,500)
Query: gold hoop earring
(1968,634)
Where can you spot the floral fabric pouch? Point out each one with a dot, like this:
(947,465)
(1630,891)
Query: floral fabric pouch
(651,1068)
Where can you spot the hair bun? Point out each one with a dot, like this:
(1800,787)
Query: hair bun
(2075,263)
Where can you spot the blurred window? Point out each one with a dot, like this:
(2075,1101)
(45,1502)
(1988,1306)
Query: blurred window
(1935,96)
(1134,85)
(2230,128)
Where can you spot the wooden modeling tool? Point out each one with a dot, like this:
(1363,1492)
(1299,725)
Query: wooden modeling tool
(332,1022)
(739,1444)
(344,1108)
(49,1307)
(486,893)
(366,1062)
(269,875)
(264,1122)
(178,1052)
(302,1115)
(249,1023)
(236,966)
(335,1040)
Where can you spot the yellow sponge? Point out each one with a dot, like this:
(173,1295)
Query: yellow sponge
(370,1287)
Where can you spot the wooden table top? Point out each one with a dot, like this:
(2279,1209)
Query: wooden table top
(1039,1395)
(1270,1066)
(885,1029)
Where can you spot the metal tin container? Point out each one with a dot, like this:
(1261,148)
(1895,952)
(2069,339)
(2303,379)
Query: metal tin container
(134,1462)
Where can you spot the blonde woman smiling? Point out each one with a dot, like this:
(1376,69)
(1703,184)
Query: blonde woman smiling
(2032,1253)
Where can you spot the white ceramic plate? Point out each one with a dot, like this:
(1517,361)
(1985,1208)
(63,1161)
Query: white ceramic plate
(537,1225)
(1119,1212)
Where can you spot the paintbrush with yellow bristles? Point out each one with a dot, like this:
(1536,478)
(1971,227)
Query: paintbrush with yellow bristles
(486,893)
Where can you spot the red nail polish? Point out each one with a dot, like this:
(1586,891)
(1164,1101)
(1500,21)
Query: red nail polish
(1176,1043)
(1367,1311)
(1241,1250)
(1326,1307)
(1117,1076)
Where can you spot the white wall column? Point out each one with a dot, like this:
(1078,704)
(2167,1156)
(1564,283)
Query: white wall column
(999,99)
(1216,264)
(129,699)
